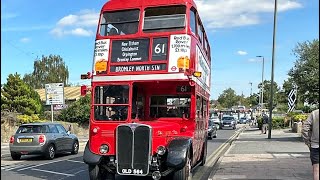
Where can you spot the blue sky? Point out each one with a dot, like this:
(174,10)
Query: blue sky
(238,30)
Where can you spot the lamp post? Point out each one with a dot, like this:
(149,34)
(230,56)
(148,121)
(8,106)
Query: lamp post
(262,81)
(272,68)
(250,88)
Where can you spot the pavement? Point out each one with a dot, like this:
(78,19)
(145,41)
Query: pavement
(253,156)
(5,151)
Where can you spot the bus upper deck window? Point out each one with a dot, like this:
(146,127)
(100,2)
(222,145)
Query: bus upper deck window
(168,18)
(119,22)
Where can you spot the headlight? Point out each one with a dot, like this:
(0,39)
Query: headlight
(161,150)
(104,149)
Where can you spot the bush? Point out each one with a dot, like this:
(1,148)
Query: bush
(23,119)
(78,112)
(277,123)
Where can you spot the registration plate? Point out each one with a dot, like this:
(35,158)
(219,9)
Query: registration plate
(25,140)
(226,125)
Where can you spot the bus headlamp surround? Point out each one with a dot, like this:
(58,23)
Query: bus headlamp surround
(161,150)
(104,149)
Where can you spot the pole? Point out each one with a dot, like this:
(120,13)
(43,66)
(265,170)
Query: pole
(51,112)
(262,82)
(272,69)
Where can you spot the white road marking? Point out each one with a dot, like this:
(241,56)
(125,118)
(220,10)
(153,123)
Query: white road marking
(14,167)
(41,164)
(53,172)
(75,161)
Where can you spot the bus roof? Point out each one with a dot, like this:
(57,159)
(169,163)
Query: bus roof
(125,4)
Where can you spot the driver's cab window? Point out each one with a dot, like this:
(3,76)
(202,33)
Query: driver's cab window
(111,102)
(170,106)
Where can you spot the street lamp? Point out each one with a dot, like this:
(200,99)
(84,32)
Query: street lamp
(262,81)
(272,66)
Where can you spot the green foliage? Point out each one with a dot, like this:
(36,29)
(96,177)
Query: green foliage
(50,69)
(17,96)
(78,111)
(228,98)
(23,119)
(305,73)
(267,93)
(277,122)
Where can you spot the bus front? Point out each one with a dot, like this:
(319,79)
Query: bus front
(144,85)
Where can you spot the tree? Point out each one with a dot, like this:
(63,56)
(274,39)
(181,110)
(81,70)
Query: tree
(305,72)
(78,111)
(267,92)
(228,98)
(17,96)
(50,69)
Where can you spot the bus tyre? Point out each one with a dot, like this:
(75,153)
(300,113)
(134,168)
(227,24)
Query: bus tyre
(204,154)
(185,172)
(97,173)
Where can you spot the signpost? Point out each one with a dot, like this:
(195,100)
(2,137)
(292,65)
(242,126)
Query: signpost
(54,95)
(292,99)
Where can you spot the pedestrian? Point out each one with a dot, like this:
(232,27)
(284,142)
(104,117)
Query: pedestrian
(265,120)
(310,134)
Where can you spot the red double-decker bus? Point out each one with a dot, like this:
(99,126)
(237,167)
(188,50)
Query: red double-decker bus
(150,89)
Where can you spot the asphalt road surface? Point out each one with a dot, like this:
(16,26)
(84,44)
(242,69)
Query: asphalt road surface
(71,167)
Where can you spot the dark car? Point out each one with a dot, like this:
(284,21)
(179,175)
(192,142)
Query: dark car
(46,139)
(212,129)
(228,121)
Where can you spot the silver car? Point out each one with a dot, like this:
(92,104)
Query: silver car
(46,139)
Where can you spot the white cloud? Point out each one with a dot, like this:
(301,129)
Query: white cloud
(236,13)
(25,40)
(79,24)
(59,32)
(242,53)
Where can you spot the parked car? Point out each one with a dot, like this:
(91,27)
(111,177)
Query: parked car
(216,121)
(243,120)
(228,121)
(212,129)
(46,139)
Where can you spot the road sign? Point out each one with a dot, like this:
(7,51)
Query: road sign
(292,99)
(54,93)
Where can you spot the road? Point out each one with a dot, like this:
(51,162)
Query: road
(71,167)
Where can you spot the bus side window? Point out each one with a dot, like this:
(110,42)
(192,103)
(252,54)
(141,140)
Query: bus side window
(193,21)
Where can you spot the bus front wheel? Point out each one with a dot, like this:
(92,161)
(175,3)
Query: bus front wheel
(97,173)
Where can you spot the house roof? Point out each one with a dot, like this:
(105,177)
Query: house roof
(70,93)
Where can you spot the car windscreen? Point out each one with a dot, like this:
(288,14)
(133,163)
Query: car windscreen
(228,118)
(31,129)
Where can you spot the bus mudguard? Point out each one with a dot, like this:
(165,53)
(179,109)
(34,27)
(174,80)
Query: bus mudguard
(177,152)
(89,157)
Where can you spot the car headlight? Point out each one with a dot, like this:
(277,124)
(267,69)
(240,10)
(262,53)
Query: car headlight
(104,149)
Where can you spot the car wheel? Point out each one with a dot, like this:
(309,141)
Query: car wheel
(185,172)
(215,135)
(15,156)
(75,147)
(50,152)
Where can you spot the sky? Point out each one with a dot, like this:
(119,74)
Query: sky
(238,31)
